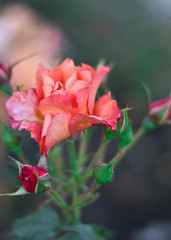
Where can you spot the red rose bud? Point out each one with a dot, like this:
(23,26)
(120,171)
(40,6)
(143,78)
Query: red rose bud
(160,111)
(34,179)
(3,74)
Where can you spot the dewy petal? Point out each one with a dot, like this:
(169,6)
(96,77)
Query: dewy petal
(23,105)
(108,110)
(100,74)
(55,104)
(58,130)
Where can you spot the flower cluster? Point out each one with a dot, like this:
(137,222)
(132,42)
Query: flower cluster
(62,104)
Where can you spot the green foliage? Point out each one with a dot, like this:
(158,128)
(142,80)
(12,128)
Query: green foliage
(42,224)
(45,224)
(103,174)
(81,231)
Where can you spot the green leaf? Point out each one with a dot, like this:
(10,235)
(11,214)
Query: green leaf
(81,231)
(126,137)
(42,224)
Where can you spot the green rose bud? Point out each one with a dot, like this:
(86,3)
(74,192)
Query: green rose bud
(11,138)
(103,174)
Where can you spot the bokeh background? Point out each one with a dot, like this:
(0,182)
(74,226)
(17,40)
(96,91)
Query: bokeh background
(134,37)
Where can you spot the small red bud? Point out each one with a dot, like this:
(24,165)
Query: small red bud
(160,111)
(3,74)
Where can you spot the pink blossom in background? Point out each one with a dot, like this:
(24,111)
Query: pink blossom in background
(63,103)
(22,34)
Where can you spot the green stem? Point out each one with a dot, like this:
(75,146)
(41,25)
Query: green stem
(60,202)
(82,148)
(122,153)
(90,189)
(94,159)
(76,210)
(73,159)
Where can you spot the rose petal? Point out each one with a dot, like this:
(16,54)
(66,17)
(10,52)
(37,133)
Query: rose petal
(55,104)
(82,100)
(63,71)
(80,122)
(108,110)
(23,106)
(46,123)
(85,76)
(34,127)
(100,74)
(58,130)
(39,81)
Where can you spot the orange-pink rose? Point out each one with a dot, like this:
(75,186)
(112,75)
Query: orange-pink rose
(62,104)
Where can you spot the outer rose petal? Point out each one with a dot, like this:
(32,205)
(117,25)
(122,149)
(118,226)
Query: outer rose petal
(100,74)
(34,127)
(58,130)
(55,104)
(23,106)
(81,122)
(108,110)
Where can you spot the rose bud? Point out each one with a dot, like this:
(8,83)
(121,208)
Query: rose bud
(35,179)
(11,138)
(103,174)
(3,74)
(160,111)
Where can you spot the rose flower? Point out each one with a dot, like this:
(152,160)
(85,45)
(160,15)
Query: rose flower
(62,104)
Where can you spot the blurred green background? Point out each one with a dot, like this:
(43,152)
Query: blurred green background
(135,37)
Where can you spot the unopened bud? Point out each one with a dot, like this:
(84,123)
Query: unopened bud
(160,111)
(103,174)
(11,138)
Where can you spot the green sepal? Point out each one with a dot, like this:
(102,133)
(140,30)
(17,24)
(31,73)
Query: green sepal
(103,174)
(109,133)
(11,138)
(149,124)
(20,191)
(122,122)
(125,138)
(42,186)
(122,125)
